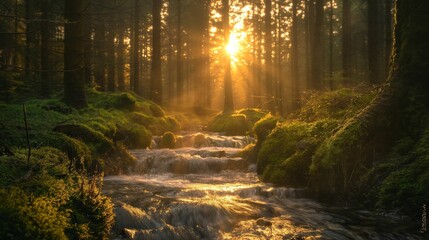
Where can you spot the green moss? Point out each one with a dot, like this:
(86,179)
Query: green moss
(47,200)
(238,123)
(288,149)
(252,114)
(24,216)
(407,180)
(264,126)
(168,140)
(137,137)
(340,104)
(142,119)
(80,131)
(235,124)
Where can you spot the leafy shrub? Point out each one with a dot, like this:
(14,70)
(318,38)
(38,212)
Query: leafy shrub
(24,216)
(93,215)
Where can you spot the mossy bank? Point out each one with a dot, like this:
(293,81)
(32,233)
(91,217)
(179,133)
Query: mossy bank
(288,152)
(53,190)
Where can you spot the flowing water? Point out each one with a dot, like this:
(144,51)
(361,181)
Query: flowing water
(203,190)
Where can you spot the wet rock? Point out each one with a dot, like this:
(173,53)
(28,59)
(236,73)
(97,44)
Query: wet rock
(264,223)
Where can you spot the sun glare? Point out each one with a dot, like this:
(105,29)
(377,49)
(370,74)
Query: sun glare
(233,46)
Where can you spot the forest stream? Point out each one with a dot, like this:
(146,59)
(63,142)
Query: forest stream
(202,190)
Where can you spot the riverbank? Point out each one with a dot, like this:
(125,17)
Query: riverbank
(288,153)
(53,159)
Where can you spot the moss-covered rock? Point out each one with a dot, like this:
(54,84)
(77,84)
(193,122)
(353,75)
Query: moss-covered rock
(235,124)
(137,137)
(88,135)
(264,126)
(288,151)
(168,140)
(238,123)
(142,119)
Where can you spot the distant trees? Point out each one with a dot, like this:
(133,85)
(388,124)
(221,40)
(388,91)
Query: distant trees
(174,47)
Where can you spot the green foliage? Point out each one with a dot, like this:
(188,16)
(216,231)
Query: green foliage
(25,216)
(168,140)
(93,215)
(407,180)
(42,200)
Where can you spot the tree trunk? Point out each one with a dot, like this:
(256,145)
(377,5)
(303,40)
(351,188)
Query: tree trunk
(100,55)
(45,55)
(347,41)
(229,102)
(348,153)
(74,82)
(374,60)
(110,56)
(156,78)
(180,86)
(331,45)
(121,56)
(88,43)
(135,43)
(294,57)
(316,47)
(388,35)
(269,90)
(31,42)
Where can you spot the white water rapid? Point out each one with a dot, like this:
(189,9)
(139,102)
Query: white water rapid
(203,190)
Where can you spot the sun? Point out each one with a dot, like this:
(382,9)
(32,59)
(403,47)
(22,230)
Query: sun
(233,46)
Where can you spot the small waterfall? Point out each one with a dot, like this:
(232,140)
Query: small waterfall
(203,189)
(201,140)
(187,161)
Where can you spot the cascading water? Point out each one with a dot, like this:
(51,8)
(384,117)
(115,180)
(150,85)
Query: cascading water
(204,190)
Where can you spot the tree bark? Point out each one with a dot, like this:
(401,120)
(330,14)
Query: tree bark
(229,102)
(269,90)
(110,55)
(135,43)
(346,40)
(45,55)
(316,49)
(374,60)
(74,82)
(347,155)
(156,78)
(180,85)
(295,57)
(388,35)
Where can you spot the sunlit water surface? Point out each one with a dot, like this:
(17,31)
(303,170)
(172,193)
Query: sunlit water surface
(204,191)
